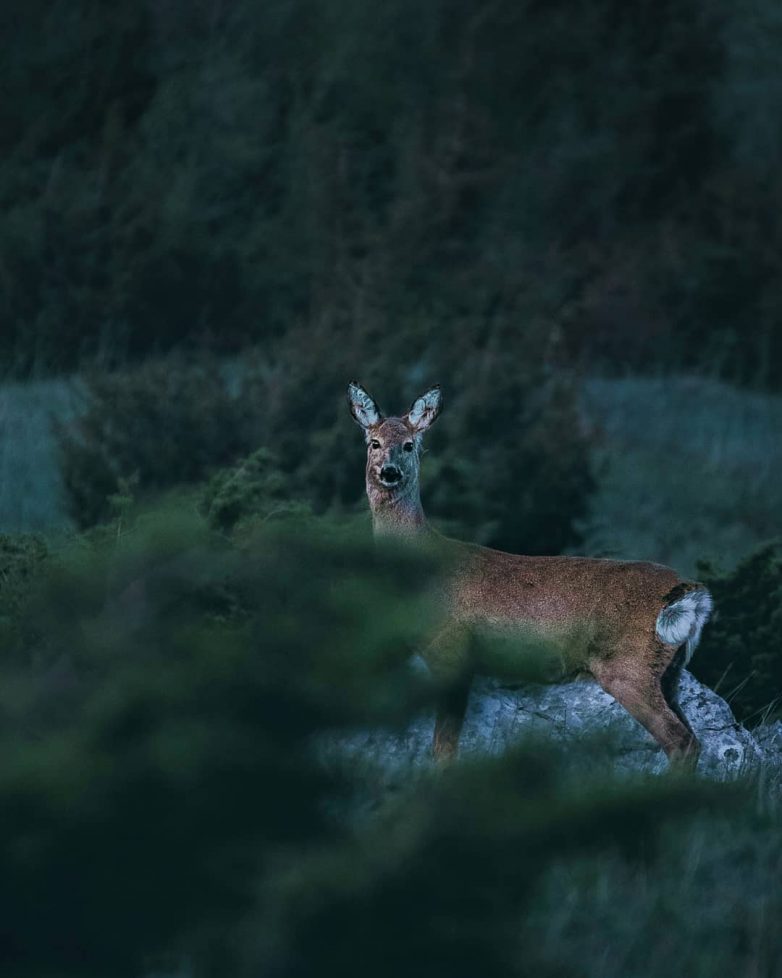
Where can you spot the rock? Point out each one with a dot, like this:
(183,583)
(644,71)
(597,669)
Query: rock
(499,716)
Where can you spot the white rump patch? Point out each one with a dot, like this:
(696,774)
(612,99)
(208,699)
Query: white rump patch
(683,620)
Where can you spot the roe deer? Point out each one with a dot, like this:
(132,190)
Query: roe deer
(632,625)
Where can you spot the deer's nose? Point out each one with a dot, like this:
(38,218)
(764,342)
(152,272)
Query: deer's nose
(390,474)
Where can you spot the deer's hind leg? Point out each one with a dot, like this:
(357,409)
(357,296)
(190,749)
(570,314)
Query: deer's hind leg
(670,685)
(645,685)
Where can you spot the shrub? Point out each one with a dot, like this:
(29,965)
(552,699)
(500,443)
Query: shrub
(166,423)
(253,489)
(515,471)
(741,654)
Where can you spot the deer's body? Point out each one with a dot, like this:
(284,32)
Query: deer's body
(632,625)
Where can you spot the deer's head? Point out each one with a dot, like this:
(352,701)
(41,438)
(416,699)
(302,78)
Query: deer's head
(393,444)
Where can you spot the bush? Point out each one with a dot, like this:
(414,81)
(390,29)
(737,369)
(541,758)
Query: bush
(515,470)
(164,424)
(253,489)
(740,654)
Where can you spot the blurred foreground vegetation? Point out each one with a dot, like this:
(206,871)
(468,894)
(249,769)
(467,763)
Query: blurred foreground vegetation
(167,683)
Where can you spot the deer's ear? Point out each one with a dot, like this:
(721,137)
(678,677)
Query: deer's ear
(425,409)
(362,407)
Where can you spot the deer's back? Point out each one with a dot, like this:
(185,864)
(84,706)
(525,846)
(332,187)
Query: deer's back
(556,595)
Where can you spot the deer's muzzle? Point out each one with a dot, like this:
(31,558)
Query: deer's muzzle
(390,475)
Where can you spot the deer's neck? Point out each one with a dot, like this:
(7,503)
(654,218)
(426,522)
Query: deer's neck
(396,514)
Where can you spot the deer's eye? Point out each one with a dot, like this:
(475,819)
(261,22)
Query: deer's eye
(408,446)
(375,443)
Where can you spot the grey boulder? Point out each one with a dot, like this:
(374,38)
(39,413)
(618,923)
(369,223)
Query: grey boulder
(577,712)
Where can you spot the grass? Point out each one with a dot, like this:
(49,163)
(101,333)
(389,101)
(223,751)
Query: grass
(709,905)
(688,468)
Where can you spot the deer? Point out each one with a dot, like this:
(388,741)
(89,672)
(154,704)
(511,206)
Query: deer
(631,625)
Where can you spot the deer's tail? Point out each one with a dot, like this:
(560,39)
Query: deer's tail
(682,619)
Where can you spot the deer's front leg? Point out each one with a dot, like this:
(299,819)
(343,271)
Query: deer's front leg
(448,723)
(449,662)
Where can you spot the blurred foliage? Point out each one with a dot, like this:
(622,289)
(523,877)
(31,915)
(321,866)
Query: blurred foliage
(741,652)
(214,175)
(21,560)
(164,802)
(157,742)
(709,908)
(445,879)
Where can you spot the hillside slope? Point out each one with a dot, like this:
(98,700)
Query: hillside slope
(687,468)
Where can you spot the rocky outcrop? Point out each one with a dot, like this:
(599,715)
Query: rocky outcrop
(500,716)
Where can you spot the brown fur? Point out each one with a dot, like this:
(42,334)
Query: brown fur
(604,612)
